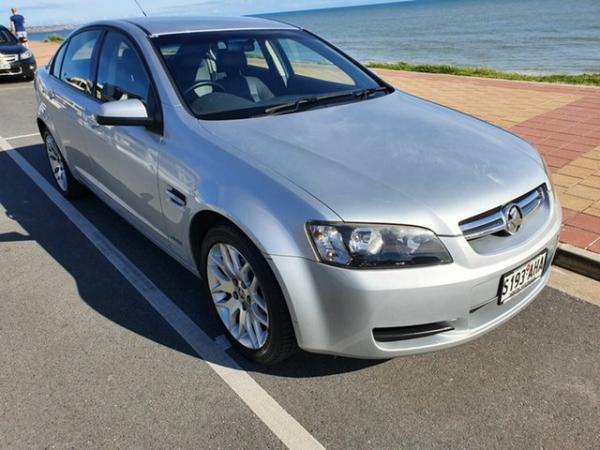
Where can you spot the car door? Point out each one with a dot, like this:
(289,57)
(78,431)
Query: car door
(124,159)
(69,94)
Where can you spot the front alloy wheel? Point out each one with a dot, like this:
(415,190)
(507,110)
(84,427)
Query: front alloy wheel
(237,295)
(246,296)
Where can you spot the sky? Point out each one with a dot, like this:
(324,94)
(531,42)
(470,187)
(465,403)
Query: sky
(49,12)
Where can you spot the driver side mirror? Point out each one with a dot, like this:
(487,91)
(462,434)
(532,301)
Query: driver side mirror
(130,112)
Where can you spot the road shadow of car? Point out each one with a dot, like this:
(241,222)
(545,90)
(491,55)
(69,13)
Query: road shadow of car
(7,80)
(101,287)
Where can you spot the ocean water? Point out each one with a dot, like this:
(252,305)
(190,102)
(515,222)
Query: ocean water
(40,36)
(528,36)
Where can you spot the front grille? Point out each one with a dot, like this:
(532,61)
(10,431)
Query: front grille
(11,72)
(9,58)
(494,221)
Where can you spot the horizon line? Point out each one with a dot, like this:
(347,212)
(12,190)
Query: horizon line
(272,13)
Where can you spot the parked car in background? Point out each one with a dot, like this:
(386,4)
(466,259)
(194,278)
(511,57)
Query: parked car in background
(16,60)
(321,207)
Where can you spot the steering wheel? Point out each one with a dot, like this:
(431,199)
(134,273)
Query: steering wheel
(203,83)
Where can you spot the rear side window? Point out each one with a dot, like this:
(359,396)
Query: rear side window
(254,54)
(57,61)
(121,72)
(77,67)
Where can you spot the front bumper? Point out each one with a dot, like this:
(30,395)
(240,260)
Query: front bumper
(24,68)
(336,310)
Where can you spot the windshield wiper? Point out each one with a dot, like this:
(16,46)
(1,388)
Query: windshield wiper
(304,102)
(366,93)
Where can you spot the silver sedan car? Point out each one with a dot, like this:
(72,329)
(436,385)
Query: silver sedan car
(321,208)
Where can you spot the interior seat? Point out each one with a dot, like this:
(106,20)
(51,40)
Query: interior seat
(232,63)
(192,67)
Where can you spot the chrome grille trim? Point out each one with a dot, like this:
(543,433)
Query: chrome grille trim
(495,221)
(8,58)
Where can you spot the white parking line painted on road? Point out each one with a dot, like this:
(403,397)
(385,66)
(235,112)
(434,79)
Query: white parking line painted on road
(279,421)
(21,136)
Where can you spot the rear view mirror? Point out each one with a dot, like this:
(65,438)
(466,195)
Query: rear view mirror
(130,112)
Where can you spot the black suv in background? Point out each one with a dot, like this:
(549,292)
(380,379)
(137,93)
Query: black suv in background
(16,60)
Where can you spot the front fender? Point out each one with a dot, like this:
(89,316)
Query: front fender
(271,210)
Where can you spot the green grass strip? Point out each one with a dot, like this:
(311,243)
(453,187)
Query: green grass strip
(54,38)
(584,78)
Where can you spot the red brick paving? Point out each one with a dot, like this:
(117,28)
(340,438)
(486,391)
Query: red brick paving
(567,134)
(578,237)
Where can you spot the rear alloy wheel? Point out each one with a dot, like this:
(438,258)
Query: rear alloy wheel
(64,180)
(246,296)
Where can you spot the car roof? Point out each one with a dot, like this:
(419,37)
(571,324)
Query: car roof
(157,26)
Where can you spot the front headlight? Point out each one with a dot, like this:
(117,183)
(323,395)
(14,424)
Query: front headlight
(26,54)
(376,246)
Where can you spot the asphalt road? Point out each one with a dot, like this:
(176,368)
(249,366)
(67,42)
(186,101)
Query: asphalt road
(86,361)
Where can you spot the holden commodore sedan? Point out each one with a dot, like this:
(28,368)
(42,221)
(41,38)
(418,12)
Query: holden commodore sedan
(321,208)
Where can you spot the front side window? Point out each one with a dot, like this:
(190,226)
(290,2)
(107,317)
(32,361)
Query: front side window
(121,72)
(240,74)
(77,68)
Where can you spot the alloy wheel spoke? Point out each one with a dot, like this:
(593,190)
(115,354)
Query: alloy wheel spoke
(260,315)
(222,282)
(258,331)
(228,264)
(241,323)
(216,258)
(234,258)
(258,300)
(249,325)
(244,274)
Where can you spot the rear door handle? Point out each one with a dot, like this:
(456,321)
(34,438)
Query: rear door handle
(176,197)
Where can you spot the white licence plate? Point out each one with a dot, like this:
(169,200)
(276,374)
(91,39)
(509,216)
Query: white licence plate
(514,282)
(4,65)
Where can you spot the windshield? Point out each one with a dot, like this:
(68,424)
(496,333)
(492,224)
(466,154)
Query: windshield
(239,74)
(6,37)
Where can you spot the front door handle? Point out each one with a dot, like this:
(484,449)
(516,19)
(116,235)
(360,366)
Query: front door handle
(176,197)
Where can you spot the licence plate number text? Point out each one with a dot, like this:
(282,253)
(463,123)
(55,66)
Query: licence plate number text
(517,280)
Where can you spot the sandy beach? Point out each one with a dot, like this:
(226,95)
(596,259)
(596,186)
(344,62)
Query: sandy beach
(43,51)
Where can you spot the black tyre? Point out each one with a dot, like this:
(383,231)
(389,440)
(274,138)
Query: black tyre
(246,296)
(67,185)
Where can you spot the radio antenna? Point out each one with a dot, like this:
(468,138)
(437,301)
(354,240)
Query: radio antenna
(141,9)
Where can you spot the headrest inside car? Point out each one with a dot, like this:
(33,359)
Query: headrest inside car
(229,61)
